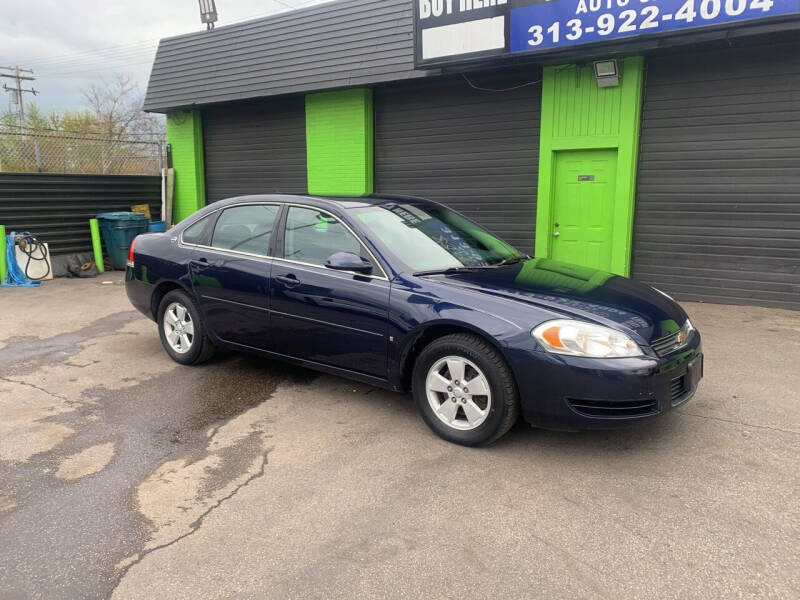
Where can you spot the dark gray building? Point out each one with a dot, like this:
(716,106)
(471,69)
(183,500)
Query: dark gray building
(662,142)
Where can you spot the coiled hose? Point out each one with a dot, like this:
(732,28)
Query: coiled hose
(35,250)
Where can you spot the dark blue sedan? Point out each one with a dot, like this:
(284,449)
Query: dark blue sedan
(407,294)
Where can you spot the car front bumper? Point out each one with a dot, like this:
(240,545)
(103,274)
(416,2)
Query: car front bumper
(573,393)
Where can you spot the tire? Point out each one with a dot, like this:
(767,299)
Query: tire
(199,347)
(478,419)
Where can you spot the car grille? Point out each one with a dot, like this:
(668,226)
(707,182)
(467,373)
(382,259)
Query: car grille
(677,390)
(665,345)
(609,409)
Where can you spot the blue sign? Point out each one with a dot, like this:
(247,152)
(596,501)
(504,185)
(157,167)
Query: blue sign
(559,23)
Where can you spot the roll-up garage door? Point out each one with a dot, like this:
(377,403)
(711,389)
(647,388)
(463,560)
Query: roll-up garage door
(255,148)
(718,204)
(476,151)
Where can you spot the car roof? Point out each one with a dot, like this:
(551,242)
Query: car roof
(334,201)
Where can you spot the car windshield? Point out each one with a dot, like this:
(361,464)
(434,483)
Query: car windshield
(431,237)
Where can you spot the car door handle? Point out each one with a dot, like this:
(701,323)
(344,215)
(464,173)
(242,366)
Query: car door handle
(556,234)
(205,263)
(288,280)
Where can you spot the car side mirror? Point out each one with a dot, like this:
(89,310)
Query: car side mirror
(347,261)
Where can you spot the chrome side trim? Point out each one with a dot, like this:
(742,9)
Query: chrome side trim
(234,252)
(328,271)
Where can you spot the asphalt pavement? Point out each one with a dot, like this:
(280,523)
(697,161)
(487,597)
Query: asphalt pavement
(124,475)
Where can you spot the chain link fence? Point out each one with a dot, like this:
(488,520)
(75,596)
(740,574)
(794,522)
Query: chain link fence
(58,152)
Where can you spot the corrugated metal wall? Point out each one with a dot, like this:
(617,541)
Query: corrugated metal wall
(57,208)
(476,151)
(255,148)
(718,203)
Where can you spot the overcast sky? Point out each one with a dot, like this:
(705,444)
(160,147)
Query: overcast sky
(72,43)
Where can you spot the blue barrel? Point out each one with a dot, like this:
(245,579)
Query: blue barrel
(119,229)
(157,226)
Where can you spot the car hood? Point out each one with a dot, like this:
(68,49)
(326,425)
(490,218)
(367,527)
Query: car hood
(579,292)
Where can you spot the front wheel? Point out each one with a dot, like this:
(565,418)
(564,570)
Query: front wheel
(465,390)
(182,332)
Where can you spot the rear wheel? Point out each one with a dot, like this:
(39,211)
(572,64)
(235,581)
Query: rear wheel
(465,390)
(182,333)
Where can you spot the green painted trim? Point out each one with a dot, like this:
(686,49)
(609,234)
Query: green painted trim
(339,142)
(185,137)
(576,115)
(97,246)
(627,162)
(3,258)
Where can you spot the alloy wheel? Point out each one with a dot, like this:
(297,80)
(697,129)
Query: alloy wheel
(178,328)
(458,392)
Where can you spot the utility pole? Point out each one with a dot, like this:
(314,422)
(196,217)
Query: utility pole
(18,75)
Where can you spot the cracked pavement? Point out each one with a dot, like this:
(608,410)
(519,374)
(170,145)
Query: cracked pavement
(124,475)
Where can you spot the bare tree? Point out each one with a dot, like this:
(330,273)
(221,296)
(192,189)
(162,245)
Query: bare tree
(116,109)
(111,134)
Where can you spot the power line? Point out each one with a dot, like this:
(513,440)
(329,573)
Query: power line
(91,60)
(303,4)
(67,59)
(93,69)
(71,55)
(139,47)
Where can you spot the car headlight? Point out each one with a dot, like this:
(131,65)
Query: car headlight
(577,338)
(686,331)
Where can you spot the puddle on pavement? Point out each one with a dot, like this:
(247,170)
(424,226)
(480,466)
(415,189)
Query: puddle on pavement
(223,397)
(26,353)
(191,417)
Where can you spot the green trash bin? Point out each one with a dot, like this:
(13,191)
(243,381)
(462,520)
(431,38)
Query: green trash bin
(118,230)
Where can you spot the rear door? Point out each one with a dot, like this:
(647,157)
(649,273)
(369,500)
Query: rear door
(329,317)
(231,275)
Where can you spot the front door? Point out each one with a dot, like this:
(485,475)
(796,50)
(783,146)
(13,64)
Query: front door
(329,317)
(583,207)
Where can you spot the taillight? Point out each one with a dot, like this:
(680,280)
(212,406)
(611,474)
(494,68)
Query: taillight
(130,252)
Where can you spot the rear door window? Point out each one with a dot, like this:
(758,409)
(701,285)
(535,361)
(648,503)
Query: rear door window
(197,233)
(246,228)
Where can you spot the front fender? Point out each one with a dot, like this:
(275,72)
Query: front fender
(416,313)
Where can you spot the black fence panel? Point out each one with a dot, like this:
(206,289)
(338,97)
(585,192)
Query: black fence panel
(57,208)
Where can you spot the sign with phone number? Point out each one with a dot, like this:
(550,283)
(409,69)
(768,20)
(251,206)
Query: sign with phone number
(560,23)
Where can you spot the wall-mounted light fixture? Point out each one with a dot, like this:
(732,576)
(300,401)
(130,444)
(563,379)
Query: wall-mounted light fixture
(208,13)
(607,73)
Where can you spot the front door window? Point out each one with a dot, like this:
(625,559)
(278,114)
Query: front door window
(312,236)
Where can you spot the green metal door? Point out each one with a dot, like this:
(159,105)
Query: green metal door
(583,207)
